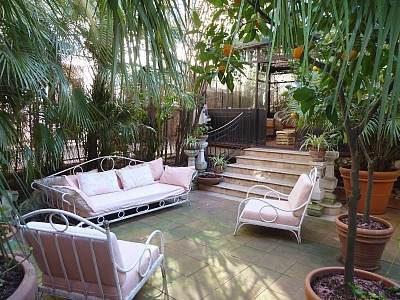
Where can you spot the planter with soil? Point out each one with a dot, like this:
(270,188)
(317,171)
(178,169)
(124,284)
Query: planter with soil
(209,178)
(381,189)
(19,282)
(317,155)
(370,241)
(327,283)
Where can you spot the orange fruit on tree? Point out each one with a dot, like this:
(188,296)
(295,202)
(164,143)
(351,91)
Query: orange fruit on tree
(221,68)
(315,68)
(293,116)
(237,1)
(226,51)
(298,52)
(353,54)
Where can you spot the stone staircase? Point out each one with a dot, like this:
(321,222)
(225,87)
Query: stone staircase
(276,168)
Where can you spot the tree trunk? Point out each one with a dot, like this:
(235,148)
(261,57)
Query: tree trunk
(352,214)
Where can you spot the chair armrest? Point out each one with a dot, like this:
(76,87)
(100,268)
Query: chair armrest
(144,250)
(61,195)
(269,191)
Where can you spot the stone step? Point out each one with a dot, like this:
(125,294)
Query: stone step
(277,153)
(281,185)
(281,163)
(264,172)
(226,188)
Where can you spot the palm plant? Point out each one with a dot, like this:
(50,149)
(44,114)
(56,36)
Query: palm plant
(40,109)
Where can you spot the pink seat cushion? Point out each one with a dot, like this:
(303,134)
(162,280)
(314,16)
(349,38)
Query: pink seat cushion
(180,176)
(130,252)
(137,196)
(254,208)
(300,194)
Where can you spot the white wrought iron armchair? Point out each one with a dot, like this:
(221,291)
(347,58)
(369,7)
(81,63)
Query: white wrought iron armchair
(86,261)
(275,209)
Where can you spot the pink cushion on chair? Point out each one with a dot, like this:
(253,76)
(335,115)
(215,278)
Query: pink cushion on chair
(130,252)
(252,209)
(157,168)
(300,194)
(125,254)
(181,176)
(100,247)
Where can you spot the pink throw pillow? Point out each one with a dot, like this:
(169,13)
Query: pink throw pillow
(135,177)
(98,183)
(73,179)
(181,176)
(157,168)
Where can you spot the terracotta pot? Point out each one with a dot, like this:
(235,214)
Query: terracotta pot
(28,287)
(310,295)
(209,181)
(381,189)
(202,137)
(369,243)
(218,170)
(317,155)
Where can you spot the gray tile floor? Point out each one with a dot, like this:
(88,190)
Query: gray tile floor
(205,261)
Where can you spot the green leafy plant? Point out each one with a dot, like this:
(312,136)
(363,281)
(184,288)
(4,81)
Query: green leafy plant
(191,143)
(219,160)
(318,142)
(202,129)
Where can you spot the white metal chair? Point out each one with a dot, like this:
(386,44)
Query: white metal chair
(86,261)
(275,209)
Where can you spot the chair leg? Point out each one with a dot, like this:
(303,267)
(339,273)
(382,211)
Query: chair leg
(236,228)
(164,277)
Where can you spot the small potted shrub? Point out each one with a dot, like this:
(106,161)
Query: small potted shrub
(201,131)
(219,163)
(191,149)
(317,146)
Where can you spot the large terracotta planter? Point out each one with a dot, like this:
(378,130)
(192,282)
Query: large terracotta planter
(210,180)
(310,295)
(381,189)
(28,287)
(369,243)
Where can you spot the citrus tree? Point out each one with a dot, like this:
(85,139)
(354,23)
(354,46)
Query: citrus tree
(354,45)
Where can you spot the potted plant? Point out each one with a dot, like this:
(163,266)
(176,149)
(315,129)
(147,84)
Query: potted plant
(191,149)
(201,132)
(380,150)
(317,146)
(13,261)
(219,163)
(209,178)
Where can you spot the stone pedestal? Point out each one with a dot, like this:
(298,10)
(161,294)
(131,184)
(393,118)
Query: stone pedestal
(201,164)
(191,154)
(319,191)
(329,182)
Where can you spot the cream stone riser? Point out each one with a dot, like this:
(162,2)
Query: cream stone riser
(283,186)
(275,163)
(226,188)
(264,172)
(277,153)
